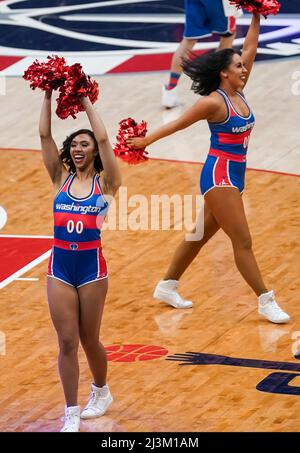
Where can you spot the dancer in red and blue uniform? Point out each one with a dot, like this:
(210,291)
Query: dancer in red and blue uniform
(226,162)
(221,78)
(76,229)
(84,175)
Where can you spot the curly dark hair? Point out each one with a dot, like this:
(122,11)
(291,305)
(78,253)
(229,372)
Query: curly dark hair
(65,154)
(204,70)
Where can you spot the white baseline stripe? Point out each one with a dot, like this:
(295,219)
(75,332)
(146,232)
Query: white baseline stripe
(24,236)
(92,65)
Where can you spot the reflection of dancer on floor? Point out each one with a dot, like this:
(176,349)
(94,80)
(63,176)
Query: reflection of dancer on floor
(77,275)
(221,77)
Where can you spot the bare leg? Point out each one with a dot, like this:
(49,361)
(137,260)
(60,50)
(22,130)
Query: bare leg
(187,46)
(92,298)
(226,42)
(182,51)
(64,310)
(227,207)
(188,250)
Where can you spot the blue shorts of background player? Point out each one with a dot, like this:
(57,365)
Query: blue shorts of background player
(204,17)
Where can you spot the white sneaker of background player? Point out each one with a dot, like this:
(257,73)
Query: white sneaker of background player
(268,307)
(99,401)
(71,419)
(169,98)
(166,290)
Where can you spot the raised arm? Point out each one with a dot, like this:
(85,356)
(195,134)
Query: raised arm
(111,172)
(250,44)
(204,109)
(50,152)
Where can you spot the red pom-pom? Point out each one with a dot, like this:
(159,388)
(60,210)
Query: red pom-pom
(71,81)
(49,75)
(129,129)
(263,7)
(77,85)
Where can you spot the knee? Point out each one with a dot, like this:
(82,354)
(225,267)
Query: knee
(187,45)
(68,345)
(89,344)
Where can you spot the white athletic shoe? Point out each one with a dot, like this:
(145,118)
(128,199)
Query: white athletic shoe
(99,402)
(268,307)
(166,290)
(71,419)
(169,98)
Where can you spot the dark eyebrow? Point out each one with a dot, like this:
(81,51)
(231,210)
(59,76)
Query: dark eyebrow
(81,141)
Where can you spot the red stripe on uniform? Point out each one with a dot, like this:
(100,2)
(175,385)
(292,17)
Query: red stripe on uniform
(50,265)
(102,269)
(220,173)
(89,221)
(233,139)
(229,156)
(64,188)
(232,24)
(97,190)
(173,81)
(67,245)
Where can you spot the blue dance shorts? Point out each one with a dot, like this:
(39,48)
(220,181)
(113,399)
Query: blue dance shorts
(223,170)
(77,267)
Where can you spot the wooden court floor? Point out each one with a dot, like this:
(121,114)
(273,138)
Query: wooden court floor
(157,394)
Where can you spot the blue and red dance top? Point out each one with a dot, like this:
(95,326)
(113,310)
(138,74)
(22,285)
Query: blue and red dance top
(78,221)
(225,165)
(232,136)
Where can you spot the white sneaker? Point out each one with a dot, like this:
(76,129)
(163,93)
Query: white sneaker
(268,307)
(72,420)
(169,98)
(99,402)
(166,291)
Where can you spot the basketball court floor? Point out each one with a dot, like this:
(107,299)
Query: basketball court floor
(217,366)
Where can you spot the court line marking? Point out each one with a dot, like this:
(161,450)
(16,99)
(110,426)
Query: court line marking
(202,163)
(170,160)
(25,236)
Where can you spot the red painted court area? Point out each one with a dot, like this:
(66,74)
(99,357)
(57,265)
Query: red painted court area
(134,352)
(18,252)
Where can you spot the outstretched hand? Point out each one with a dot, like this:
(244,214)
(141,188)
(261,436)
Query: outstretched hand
(137,142)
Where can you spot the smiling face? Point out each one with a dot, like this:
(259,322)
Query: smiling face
(82,150)
(236,73)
